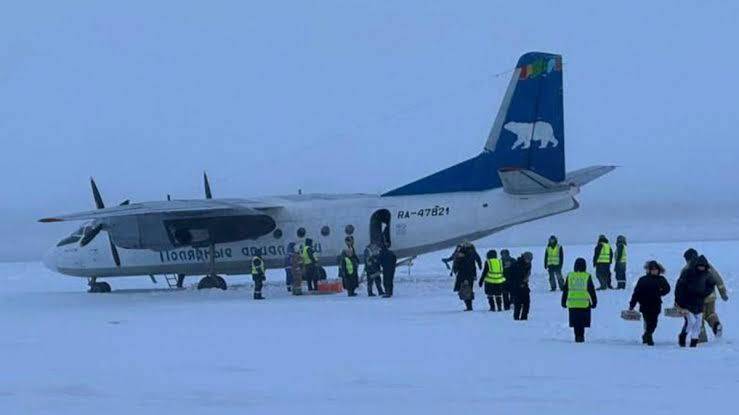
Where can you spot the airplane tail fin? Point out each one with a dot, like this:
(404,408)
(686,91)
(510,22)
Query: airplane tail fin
(528,133)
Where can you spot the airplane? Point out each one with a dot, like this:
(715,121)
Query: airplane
(518,177)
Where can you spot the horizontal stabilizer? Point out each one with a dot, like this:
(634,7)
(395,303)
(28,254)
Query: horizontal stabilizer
(526,182)
(584,176)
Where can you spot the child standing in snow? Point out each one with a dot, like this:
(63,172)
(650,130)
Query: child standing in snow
(648,294)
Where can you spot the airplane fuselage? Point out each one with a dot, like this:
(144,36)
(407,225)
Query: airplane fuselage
(417,224)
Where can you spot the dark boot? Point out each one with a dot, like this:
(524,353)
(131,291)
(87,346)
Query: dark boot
(468,305)
(649,341)
(258,296)
(681,339)
(580,338)
(693,342)
(644,338)
(491,301)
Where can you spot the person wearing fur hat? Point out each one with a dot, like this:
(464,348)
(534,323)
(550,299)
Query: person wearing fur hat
(710,315)
(691,290)
(648,294)
(578,297)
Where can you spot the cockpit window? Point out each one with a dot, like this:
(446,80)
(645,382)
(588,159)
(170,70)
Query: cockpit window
(74,237)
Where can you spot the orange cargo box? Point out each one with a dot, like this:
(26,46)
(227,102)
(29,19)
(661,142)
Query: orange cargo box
(329,287)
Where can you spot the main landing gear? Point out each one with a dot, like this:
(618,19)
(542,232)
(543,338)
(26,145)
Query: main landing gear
(212,280)
(98,287)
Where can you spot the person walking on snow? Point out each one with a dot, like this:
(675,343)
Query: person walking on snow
(508,262)
(620,260)
(349,268)
(709,308)
(553,260)
(602,259)
(691,290)
(648,294)
(258,276)
(372,269)
(494,279)
(466,263)
(519,286)
(578,297)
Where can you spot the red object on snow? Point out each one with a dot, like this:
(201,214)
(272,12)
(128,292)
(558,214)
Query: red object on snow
(329,287)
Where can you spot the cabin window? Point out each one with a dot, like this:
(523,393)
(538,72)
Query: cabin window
(325,231)
(349,229)
(301,232)
(277,234)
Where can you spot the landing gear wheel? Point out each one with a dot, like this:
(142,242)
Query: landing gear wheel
(212,281)
(99,287)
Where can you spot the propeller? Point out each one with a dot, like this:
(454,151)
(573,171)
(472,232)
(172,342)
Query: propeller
(95,230)
(208,194)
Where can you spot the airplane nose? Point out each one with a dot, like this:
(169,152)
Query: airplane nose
(50,259)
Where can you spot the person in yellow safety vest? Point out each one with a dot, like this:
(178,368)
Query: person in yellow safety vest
(553,260)
(621,258)
(494,280)
(349,267)
(258,275)
(602,259)
(310,271)
(578,296)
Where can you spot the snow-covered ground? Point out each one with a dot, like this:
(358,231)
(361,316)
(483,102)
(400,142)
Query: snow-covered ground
(152,350)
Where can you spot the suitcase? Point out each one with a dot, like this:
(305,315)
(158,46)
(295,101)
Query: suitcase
(330,286)
(675,312)
(631,315)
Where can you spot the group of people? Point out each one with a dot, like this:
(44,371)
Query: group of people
(506,282)
(506,279)
(603,257)
(379,268)
(301,264)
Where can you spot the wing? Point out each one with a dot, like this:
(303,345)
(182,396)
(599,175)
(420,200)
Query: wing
(172,208)
(170,224)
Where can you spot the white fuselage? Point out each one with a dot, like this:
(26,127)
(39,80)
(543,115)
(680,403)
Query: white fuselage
(418,224)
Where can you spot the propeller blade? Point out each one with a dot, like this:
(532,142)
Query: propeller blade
(96,195)
(208,194)
(114,251)
(169,197)
(91,234)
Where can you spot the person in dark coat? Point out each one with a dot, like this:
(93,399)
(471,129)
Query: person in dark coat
(692,288)
(578,296)
(288,266)
(258,276)
(388,261)
(508,262)
(648,294)
(602,259)
(373,270)
(466,263)
(519,286)
(349,268)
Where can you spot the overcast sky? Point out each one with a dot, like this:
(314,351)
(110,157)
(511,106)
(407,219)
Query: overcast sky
(350,96)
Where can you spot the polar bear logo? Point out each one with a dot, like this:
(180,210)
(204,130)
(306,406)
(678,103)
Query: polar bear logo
(526,132)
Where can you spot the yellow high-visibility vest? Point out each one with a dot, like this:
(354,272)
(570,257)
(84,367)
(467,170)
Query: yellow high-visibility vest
(349,265)
(624,256)
(495,272)
(553,255)
(577,290)
(605,253)
(305,256)
(257,269)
